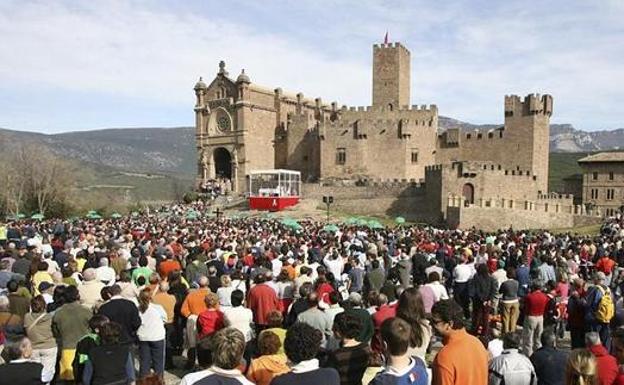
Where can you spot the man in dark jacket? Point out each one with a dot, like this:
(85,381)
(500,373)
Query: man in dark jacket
(124,312)
(548,361)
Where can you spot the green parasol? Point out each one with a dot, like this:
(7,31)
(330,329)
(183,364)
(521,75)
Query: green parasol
(351,221)
(399,220)
(93,215)
(116,215)
(331,228)
(192,214)
(37,216)
(374,224)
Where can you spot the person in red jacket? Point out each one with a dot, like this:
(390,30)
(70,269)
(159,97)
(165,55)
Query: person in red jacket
(618,349)
(606,265)
(607,364)
(534,307)
(262,300)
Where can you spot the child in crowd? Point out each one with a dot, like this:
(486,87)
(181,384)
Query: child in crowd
(400,367)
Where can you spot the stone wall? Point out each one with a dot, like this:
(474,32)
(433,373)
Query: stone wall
(385,199)
(522,144)
(379,142)
(391,75)
(493,214)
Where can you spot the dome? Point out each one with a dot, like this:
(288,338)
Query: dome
(243,78)
(200,85)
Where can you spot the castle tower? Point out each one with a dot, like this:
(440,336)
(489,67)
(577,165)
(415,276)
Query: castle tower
(391,76)
(527,123)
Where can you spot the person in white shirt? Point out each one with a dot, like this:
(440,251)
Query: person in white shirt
(238,316)
(225,291)
(105,273)
(53,266)
(438,289)
(151,335)
(334,263)
(276,266)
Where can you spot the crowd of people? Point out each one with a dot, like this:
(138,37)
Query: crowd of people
(254,301)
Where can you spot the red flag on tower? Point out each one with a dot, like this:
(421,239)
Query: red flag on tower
(386,38)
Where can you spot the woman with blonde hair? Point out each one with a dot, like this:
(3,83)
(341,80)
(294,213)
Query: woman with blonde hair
(225,291)
(581,368)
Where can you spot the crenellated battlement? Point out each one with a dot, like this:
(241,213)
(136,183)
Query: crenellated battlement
(414,107)
(390,46)
(532,104)
(479,134)
(433,168)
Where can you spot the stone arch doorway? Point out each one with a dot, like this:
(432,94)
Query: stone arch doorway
(468,193)
(223,163)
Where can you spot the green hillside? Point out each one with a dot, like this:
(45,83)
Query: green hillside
(562,164)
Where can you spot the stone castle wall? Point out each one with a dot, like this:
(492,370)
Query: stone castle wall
(375,198)
(379,142)
(522,144)
(490,215)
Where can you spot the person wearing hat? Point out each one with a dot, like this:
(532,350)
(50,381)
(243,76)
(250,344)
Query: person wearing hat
(599,314)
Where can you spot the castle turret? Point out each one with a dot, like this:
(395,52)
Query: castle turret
(243,82)
(391,76)
(527,123)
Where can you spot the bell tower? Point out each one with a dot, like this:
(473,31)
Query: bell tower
(391,76)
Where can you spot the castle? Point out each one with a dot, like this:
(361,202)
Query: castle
(241,127)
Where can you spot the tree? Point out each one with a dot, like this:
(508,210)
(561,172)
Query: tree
(34,179)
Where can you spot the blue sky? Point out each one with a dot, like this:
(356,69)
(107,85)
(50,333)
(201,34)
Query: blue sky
(80,65)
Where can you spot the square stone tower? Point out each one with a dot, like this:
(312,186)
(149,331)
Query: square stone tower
(391,76)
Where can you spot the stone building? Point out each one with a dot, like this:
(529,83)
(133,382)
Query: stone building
(241,127)
(603,181)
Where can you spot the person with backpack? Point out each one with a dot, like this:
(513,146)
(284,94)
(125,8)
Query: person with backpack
(600,308)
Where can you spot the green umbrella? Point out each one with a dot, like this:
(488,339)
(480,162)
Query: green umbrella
(37,216)
(116,215)
(135,214)
(291,223)
(399,220)
(93,215)
(331,228)
(374,224)
(351,221)
(361,222)
(192,214)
